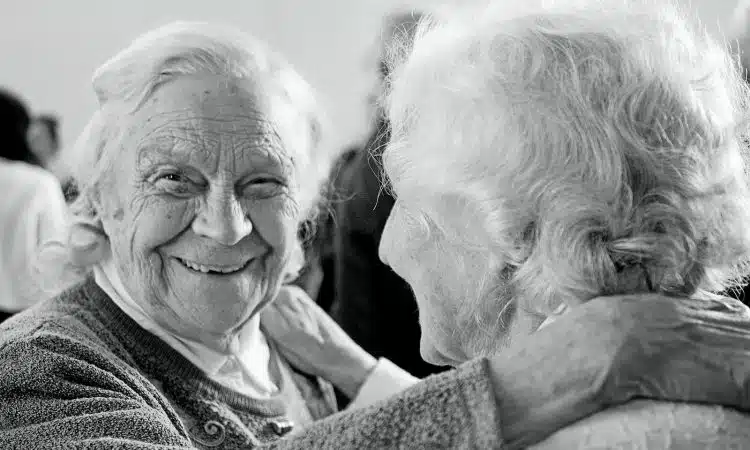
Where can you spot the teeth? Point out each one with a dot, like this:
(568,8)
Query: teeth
(207,269)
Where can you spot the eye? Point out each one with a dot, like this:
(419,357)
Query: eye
(264,187)
(173,177)
(175,183)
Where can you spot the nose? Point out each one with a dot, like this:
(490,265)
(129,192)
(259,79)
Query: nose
(223,219)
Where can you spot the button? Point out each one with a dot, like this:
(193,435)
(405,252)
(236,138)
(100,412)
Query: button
(282,427)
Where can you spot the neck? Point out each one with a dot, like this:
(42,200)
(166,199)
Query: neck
(244,336)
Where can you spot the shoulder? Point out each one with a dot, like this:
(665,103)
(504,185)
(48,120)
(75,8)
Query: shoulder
(57,320)
(67,324)
(454,409)
(62,376)
(645,424)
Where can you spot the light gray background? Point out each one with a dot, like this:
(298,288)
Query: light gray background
(49,48)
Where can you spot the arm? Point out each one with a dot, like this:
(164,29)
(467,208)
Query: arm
(605,352)
(384,381)
(300,328)
(455,409)
(57,391)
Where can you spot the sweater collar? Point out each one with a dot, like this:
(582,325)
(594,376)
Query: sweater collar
(246,357)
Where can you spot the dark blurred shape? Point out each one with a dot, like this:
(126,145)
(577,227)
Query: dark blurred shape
(371,302)
(14,127)
(44,139)
(743,52)
(45,142)
(70,190)
(317,277)
(52,124)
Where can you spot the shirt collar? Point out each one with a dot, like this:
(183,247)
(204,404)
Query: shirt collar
(247,345)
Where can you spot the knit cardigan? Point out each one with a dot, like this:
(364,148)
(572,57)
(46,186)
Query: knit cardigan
(77,372)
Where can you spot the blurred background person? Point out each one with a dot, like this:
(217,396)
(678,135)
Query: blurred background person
(44,138)
(371,302)
(16,123)
(32,210)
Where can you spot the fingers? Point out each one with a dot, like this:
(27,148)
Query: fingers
(284,320)
(275,322)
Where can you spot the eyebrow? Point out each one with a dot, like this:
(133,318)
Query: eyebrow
(263,153)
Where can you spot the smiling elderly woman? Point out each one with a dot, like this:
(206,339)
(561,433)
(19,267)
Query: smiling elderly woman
(195,173)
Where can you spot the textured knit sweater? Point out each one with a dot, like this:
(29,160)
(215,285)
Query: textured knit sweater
(77,372)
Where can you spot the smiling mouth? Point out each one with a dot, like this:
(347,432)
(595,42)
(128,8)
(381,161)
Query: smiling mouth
(214,270)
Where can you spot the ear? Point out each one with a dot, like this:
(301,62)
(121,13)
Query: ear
(87,241)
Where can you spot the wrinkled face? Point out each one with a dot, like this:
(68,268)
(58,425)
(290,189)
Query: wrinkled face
(200,206)
(458,285)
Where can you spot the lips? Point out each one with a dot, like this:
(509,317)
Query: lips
(214,269)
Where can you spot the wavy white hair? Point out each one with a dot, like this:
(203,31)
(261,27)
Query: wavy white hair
(127,81)
(601,141)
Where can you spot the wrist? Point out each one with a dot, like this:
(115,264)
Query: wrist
(354,374)
(538,396)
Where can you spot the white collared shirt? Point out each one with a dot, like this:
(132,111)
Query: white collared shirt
(245,368)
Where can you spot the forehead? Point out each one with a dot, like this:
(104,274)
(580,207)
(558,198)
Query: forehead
(204,117)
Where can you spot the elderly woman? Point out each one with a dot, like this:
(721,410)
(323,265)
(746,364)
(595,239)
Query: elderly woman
(195,172)
(583,152)
(545,159)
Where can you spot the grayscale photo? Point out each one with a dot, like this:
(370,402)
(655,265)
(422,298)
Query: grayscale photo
(375,224)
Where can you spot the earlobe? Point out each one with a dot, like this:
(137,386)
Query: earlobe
(88,242)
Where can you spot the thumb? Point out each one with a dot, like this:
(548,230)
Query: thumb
(269,319)
(275,323)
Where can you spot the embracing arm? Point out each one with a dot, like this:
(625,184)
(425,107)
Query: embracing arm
(507,402)
(455,409)
(600,354)
(56,391)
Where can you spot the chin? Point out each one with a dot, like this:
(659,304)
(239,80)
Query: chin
(432,355)
(217,317)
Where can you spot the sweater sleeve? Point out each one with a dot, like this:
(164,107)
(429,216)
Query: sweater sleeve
(455,409)
(385,380)
(56,391)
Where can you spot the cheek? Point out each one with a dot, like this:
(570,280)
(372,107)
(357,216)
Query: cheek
(450,276)
(152,222)
(405,242)
(276,221)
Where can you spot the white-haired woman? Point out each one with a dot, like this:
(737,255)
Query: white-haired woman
(583,151)
(548,158)
(195,172)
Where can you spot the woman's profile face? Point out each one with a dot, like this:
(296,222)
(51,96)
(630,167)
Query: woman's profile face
(433,242)
(200,206)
